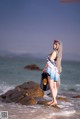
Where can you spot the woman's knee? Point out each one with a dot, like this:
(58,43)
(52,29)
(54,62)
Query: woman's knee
(58,84)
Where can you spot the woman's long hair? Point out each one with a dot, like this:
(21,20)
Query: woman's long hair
(59,57)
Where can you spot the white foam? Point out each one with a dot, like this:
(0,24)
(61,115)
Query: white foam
(67,104)
(63,113)
(5,87)
(73,87)
(78,85)
(34,106)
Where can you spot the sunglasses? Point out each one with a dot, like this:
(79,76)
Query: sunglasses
(56,41)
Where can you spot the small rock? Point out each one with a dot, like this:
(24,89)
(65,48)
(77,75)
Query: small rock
(32,67)
(63,99)
(77,96)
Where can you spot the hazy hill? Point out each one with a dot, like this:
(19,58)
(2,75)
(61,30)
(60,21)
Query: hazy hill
(38,55)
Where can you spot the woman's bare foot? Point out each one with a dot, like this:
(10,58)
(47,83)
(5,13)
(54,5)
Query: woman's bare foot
(50,102)
(53,103)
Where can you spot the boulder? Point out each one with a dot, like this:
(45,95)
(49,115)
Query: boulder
(77,96)
(25,94)
(32,67)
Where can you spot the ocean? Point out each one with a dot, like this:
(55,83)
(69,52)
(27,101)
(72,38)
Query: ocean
(12,73)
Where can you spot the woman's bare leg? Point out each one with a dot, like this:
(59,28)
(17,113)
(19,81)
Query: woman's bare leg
(57,85)
(53,89)
(49,84)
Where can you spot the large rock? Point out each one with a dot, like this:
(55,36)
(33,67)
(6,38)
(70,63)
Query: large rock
(32,67)
(77,96)
(25,94)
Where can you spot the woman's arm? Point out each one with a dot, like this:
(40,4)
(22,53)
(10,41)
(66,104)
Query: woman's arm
(44,69)
(53,55)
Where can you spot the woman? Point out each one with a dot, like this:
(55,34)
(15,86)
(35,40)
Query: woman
(53,68)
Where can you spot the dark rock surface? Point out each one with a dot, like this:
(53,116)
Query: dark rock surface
(32,67)
(77,96)
(25,94)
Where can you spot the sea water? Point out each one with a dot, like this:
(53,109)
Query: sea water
(12,73)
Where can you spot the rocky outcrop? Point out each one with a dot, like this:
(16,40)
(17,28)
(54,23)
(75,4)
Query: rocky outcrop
(32,67)
(77,96)
(25,94)
(29,93)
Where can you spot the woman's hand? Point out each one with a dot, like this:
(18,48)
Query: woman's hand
(44,69)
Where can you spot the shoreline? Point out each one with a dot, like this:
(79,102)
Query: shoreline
(37,111)
(68,110)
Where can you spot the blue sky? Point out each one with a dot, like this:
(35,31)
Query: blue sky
(30,26)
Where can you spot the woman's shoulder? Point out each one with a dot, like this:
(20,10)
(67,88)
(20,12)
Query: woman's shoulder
(54,52)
